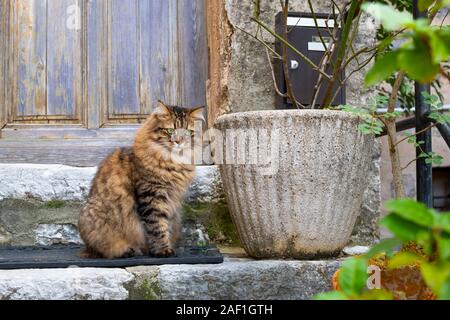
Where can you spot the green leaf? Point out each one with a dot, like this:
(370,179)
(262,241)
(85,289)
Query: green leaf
(440,47)
(431,99)
(332,295)
(408,60)
(389,17)
(434,158)
(443,244)
(384,246)
(440,4)
(353,276)
(411,210)
(438,117)
(425,240)
(402,228)
(376,294)
(424,4)
(437,276)
(355,110)
(444,294)
(403,259)
(443,221)
(382,68)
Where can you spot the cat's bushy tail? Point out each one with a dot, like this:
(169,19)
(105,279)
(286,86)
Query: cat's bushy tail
(89,253)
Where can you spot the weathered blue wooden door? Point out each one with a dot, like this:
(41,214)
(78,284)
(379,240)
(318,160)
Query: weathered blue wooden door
(81,72)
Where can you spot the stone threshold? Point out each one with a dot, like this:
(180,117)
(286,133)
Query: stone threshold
(48,182)
(236,278)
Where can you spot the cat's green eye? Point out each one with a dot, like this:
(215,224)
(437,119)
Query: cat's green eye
(189,133)
(170,131)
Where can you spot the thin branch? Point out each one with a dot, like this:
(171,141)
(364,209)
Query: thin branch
(329,31)
(443,19)
(286,43)
(371,49)
(337,7)
(260,41)
(358,53)
(409,163)
(287,79)
(343,82)
(341,53)
(316,24)
(354,32)
(323,65)
(269,60)
(256,8)
(392,135)
(415,134)
(361,66)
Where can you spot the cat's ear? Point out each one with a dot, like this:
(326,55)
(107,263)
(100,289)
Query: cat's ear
(197,113)
(161,109)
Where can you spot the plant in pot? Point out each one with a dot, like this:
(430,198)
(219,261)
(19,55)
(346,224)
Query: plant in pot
(421,268)
(294,179)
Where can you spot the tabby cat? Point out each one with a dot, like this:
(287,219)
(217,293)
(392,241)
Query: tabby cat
(133,205)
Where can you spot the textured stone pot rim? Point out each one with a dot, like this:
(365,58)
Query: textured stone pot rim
(279,114)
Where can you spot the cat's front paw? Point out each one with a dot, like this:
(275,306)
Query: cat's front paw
(164,253)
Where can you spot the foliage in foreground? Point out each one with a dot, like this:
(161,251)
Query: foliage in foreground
(410,222)
(424,46)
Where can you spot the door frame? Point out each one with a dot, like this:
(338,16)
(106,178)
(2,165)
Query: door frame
(4,7)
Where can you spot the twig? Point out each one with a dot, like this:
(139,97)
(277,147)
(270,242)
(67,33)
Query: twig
(337,7)
(354,32)
(392,136)
(409,163)
(260,41)
(316,24)
(358,53)
(340,53)
(344,81)
(324,64)
(256,9)
(277,90)
(287,79)
(368,50)
(443,19)
(415,134)
(290,46)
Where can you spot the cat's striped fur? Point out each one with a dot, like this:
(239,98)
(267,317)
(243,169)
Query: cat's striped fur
(134,201)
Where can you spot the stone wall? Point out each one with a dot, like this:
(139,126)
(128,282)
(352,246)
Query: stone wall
(248,83)
(240,62)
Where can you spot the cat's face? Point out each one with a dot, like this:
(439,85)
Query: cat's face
(175,130)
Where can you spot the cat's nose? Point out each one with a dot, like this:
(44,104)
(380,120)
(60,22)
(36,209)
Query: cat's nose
(177,140)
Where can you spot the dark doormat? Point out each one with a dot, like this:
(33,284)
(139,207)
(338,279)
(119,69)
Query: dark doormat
(63,256)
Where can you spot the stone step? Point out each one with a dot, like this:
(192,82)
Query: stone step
(66,183)
(233,279)
(39,204)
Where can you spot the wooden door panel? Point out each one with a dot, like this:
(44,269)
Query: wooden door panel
(144,57)
(124,76)
(46,82)
(30,22)
(193,50)
(158,53)
(64,77)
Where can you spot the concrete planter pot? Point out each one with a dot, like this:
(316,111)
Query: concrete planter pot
(303,201)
